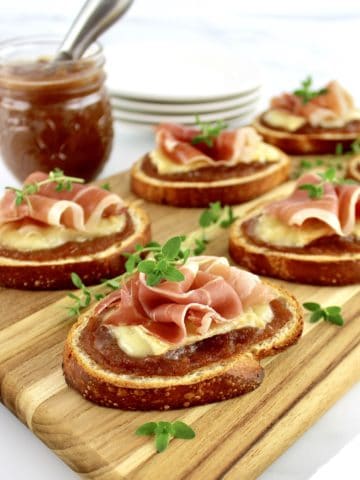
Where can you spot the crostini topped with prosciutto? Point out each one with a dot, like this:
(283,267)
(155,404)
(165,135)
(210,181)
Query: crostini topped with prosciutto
(180,343)
(310,120)
(311,236)
(56,224)
(193,166)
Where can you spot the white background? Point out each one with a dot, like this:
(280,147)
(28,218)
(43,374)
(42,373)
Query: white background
(289,40)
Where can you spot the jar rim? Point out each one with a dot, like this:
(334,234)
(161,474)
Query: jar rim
(93,53)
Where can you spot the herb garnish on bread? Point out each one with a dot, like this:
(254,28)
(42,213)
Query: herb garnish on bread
(192,167)
(55,225)
(312,236)
(180,343)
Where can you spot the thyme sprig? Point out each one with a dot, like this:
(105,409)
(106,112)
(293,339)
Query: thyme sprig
(316,191)
(331,314)
(56,176)
(164,431)
(215,214)
(305,93)
(209,131)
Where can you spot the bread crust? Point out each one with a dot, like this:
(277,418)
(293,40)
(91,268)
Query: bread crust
(55,274)
(354,168)
(240,374)
(199,194)
(342,269)
(304,143)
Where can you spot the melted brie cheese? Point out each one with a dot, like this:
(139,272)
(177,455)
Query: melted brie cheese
(285,120)
(291,122)
(271,230)
(138,342)
(165,166)
(30,237)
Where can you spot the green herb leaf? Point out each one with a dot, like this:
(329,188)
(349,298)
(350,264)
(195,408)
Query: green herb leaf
(171,248)
(314,191)
(330,314)
(76,280)
(209,132)
(181,430)
(339,150)
(146,429)
(305,92)
(106,186)
(146,266)
(311,306)
(316,316)
(173,275)
(162,441)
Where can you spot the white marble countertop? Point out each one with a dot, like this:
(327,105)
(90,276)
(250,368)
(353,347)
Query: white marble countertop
(290,41)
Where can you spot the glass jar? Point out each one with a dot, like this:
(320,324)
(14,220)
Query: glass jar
(53,114)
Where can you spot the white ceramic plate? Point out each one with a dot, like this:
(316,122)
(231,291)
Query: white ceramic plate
(173,71)
(188,108)
(188,119)
(230,116)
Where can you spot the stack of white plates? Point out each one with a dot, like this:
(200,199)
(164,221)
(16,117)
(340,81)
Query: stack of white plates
(174,82)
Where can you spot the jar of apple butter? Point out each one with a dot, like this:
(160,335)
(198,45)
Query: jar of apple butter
(53,114)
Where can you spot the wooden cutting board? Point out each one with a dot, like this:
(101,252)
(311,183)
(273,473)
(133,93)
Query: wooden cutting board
(235,439)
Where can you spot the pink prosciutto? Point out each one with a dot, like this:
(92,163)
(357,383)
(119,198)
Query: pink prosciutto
(335,104)
(229,147)
(80,209)
(212,292)
(338,207)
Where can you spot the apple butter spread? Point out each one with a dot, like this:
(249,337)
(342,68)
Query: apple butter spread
(98,342)
(53,114)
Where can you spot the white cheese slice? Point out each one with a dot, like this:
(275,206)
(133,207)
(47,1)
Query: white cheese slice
(271,230)
(31,237)
(283,119)
(138,342)
(165,166)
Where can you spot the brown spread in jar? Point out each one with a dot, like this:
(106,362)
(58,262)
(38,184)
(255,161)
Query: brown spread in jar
(98,342)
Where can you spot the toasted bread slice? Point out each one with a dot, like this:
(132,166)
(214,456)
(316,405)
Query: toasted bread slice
(354,168)
(228,191)
(92,268)
(302,267)
(305,143)
(217,381)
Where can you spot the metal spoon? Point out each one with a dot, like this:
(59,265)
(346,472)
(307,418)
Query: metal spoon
(94,17)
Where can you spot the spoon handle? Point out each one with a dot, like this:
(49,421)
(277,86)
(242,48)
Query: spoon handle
(94,17)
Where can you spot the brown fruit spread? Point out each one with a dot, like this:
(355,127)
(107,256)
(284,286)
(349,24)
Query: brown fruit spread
(204,174)
(55,115)
(102,347)
(331,244)
(72,249)
(350,127)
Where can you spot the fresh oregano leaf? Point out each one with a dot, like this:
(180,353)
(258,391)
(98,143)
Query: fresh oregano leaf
(181,430)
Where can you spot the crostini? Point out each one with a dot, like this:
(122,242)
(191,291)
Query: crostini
(179,344)
(312,236)
(354,168)
(192,167)
(309,121)
(55,225)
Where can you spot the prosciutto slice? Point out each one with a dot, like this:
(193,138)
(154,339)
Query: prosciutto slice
(338,207)
(229,147)
(335,104)
(79,209)
(212,292)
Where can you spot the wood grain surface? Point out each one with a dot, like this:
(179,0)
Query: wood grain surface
(234,439)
